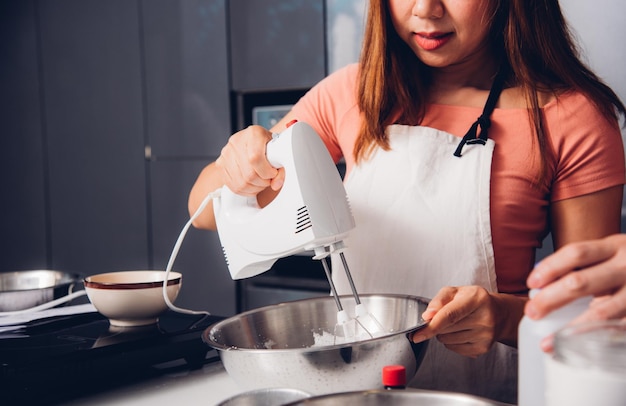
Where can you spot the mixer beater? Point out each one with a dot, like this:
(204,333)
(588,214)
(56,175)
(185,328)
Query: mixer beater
(347,328)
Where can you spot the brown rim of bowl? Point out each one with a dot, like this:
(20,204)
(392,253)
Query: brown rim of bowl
(128,285)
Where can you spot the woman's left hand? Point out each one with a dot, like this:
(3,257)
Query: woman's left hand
(468,319)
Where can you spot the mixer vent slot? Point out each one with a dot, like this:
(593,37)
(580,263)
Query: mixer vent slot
(225,255)
(349,206)
(303,219)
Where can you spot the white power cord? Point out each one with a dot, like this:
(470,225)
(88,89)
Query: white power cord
(47,305)
(179,241)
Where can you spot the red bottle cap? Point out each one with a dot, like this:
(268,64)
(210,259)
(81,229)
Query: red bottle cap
(394,376)
(289,124)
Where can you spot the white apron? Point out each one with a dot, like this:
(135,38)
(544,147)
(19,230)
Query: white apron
(422,223)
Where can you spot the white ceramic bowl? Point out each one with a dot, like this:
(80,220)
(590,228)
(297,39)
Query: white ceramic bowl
(131,298)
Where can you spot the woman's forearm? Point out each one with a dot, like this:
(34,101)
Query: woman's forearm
(208,181)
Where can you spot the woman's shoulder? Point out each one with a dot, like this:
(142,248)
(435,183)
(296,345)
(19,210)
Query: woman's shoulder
(586,143)
(568,97)
(573,107)
(514,98)
(570,105)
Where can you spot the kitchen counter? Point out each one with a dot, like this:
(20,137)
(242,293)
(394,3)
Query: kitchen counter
(206,386)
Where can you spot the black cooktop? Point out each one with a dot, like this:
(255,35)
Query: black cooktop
(70,356)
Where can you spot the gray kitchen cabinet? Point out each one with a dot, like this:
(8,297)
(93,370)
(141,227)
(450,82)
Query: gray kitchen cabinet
(92,90)
(23,197)
(186,77)
(276,44)
(187,123)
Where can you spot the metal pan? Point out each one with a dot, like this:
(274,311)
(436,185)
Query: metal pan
(25,289)
(408,397)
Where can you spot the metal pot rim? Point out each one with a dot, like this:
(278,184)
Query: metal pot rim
(406,394)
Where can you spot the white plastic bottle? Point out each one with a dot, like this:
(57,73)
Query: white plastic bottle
(531,359)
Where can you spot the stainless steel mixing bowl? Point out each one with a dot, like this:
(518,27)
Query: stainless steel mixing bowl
(275,346)
(408,397)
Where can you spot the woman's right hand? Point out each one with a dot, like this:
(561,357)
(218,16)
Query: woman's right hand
(243,165)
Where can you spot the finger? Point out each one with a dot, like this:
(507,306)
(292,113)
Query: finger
(448,312)
(260,166)
(445,295)
(278,181)
(547,344)
(449,315)
(558,294)
(235,180)
(253,164)
(427,332)
(243,162)
(256,152)
(601,308)
(605,308)
(593,281)
(567,259)
(423,334)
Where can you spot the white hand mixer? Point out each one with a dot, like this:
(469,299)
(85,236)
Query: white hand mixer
(310,213)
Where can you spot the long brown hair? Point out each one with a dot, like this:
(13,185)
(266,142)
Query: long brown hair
(530,37)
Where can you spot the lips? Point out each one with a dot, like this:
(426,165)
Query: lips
(432,40)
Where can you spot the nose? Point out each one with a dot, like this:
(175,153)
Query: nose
(428,9)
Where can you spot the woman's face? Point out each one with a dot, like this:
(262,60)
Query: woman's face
(443,33)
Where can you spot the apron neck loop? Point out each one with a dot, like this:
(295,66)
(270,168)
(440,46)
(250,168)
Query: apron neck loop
(483,121)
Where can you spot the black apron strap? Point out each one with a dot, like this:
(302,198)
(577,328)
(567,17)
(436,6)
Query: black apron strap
(484,121)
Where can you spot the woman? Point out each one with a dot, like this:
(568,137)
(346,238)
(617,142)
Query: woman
(446,212)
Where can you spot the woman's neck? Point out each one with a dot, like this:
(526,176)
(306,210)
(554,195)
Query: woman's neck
(467,83)
(477,73)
